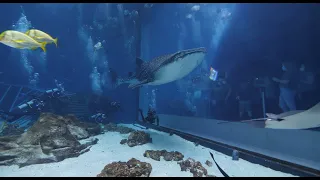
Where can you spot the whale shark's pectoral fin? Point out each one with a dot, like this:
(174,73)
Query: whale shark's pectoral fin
(135,85)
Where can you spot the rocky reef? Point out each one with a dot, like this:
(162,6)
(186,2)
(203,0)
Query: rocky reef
(111,127)
(52,138)
(195,167)
(167,156)
(7,129)
(137,138)
(132,168)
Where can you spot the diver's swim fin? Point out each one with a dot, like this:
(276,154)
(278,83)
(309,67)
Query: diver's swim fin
(221,170)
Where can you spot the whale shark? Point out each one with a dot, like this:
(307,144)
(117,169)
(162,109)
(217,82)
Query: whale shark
(165,69)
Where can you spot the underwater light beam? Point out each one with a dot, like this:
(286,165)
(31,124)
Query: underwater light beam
(221,23)
(23,25)
(96,82)
(121,19)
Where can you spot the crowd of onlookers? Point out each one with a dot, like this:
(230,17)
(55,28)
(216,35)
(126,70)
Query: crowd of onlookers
(295,89)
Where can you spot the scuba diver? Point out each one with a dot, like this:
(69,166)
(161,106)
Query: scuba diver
(31,107)
(152,116)
(59,85)
(49,100)
(102,108)
(99,117)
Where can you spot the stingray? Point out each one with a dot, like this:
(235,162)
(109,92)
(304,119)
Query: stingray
(165,69)
(299,119)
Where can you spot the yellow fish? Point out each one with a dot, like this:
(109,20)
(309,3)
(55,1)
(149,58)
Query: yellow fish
(20,40)
(41,36)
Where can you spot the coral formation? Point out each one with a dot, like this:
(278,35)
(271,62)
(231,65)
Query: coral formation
(52,138)
(137,138)
(195,167)
(167,156)
(123,141)
(132,168)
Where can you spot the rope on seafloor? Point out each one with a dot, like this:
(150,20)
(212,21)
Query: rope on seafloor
(220,169)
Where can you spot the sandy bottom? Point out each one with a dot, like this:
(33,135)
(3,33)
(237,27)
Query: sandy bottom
(109,149)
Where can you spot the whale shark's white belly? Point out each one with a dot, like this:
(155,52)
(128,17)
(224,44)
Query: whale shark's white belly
(177,69)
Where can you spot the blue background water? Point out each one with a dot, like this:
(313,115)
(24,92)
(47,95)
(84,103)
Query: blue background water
(258,37)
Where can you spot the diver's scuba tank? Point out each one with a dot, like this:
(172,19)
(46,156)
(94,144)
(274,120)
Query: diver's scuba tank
(53,92)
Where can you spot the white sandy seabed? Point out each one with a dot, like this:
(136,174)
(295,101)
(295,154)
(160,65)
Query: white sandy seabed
(109,150)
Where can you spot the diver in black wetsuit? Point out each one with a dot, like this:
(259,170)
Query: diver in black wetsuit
(151,118)
(102,107)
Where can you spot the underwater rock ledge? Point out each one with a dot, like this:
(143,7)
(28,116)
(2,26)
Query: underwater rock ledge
(7,129)
(52,138)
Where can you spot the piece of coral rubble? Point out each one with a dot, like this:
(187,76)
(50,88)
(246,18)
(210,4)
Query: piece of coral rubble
(132,168)
(195,167)
(137,138)
(167,156)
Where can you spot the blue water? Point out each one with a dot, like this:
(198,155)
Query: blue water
(245,40)
(99,42)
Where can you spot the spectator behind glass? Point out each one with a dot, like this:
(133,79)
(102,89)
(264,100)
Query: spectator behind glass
(288,86)
(244,95)
(305,87)
(220,94)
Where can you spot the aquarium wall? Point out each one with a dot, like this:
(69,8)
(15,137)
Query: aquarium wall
(245,44)
(240,75)
(275,143)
